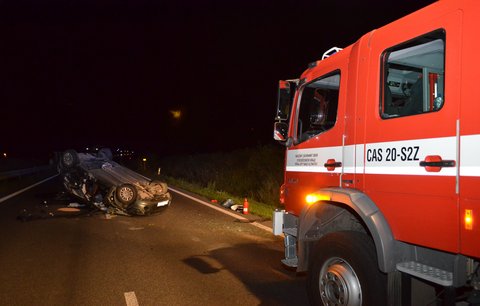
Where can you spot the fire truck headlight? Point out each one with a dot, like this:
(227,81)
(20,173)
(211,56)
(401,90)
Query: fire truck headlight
(315,197)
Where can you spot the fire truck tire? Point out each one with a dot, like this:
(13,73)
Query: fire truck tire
(343,270)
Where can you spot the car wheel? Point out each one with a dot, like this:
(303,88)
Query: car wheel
(126,194)
(69,159)
(343,270)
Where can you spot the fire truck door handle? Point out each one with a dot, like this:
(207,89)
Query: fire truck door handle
(331,164)
(434,163)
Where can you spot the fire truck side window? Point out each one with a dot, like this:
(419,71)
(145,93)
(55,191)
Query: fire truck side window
(414,76)
(318,106)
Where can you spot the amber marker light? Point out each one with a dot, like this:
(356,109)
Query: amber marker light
(468,219)
(282,194)
(315,197)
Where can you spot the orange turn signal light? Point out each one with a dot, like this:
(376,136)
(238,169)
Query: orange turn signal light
(316,197)
(468,219)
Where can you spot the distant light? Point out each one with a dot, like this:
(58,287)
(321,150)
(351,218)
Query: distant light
(5,155)
(144,159)
(176,114)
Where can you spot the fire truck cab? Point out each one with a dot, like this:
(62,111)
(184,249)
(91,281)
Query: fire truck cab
(382,166)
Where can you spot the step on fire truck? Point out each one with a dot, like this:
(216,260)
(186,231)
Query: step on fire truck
(382,166)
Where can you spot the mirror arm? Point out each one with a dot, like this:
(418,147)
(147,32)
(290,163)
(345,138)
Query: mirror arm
(289,142)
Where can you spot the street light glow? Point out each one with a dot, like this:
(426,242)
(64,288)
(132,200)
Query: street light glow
(176,114)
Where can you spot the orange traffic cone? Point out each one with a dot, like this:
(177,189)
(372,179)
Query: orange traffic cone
(245,206)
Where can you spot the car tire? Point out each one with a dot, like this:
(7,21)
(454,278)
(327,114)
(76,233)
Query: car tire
(126,194)
(69,159)
(105,153)
(343,270)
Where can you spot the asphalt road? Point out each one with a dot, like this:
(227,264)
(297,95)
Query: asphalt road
(188,255)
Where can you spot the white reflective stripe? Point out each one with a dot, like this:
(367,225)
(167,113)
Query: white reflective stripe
(470,155)
(360,158)
(393,157)
(312,169)
(404,157)
(349,159)
(351,170)
(313,160)
(415,170)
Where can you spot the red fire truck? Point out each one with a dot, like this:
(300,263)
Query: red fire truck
(382,166)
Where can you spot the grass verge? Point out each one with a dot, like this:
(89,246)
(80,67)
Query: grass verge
(262,210)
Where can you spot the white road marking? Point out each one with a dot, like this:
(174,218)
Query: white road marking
(25,189)
(131,298)
(222,210)
(261,226)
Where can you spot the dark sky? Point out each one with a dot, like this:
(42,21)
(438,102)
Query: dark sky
(84,72)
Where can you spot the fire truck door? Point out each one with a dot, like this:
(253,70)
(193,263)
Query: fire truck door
(412,133)
(315,159)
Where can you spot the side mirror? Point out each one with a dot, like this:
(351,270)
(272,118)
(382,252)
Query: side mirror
(280,133)
(286,91)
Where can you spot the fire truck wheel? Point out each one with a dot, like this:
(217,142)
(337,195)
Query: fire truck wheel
(126,194)
(343,270)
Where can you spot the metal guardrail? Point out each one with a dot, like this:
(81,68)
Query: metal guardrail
(16,173)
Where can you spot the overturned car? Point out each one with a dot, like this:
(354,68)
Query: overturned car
(98,180)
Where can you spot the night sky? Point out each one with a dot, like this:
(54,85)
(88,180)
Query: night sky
(76,73)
